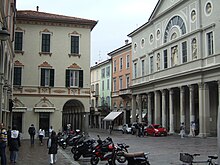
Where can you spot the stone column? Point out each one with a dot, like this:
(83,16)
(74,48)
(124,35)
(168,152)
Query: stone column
(1,97)
(149,115)
(139,101)
(157,107)
(5,95)
(163,108)
(182,105)
(171,111)
(204,110)
(191,105)
(133,113)
(218,121)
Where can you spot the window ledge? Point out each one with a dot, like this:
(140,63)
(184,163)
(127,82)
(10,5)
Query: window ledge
(45,53)
(19,52)
(74,54)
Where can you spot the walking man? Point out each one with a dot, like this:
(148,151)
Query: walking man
(32,132)
(3,140)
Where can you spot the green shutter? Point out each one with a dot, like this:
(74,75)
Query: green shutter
(42,82)
(52,77)
(81,78)
(67,78)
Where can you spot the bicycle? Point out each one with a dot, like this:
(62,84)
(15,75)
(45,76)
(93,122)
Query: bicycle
(189,159)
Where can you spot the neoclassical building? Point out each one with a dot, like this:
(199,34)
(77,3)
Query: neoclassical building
(176,65)
(7,16)
(51,71)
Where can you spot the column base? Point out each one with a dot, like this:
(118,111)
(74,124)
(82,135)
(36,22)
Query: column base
(203,135)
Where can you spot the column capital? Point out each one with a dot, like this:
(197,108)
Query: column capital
(191,87)
(171,91)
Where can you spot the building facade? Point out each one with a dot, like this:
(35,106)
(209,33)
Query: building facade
(51,71)
(176,65)
(121,79)
(7,16)
(101,77)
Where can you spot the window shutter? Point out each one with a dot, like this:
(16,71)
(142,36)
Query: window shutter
(81,78)
(42,82)
(52,77)
(67,78)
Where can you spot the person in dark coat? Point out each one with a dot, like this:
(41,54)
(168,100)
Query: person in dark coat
(32,131)
(52,145)
(14,144)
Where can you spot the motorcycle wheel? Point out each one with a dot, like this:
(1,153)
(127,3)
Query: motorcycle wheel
(76,156)
(94,160)
(73,150)
(121,159)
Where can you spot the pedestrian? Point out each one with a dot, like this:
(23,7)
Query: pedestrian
(52,145)
(182,130)
(14,144)
(193,128)
(50,130)
(3,140)
(8,134)
(32,132)
(110,129)
(142,129)
(41,135)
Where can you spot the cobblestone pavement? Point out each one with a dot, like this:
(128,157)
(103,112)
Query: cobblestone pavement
(163,150)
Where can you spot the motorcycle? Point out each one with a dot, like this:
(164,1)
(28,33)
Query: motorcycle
(103,151)
(136,158)
(84,149)
(120,149)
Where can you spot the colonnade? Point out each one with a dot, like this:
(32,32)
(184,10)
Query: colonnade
(172,106)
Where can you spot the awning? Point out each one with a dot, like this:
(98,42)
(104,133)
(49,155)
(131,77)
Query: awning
(111,116)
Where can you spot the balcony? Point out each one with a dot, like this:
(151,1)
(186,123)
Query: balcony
(125,93)
(95,94)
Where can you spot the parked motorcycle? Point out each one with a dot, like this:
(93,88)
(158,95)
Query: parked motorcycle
(84,149)
(120,149)
(103,151)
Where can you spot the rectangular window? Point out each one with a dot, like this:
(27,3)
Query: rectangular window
(108,71)
(74,78)
(184,51)
(45,47)
(135,70)
(210,43)
(165,58)
(17,75)
(121,63)
(142,67)
(114,65)
(114,84)
(103,85)
(151,64)
(127,81)
(103,73)
(108,84)
(120,82)
(128,61)
(75,44)
(47,77)
(18,41)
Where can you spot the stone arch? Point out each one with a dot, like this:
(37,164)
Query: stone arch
(73,113)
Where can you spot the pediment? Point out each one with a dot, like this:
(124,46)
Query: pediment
(74,66)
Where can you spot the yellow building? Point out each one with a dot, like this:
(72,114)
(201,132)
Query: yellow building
(51,71)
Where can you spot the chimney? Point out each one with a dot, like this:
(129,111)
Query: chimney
(126,42)
(37,8)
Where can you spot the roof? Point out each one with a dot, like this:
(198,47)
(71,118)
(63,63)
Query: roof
(29,15)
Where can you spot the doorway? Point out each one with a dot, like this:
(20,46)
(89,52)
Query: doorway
(44,122)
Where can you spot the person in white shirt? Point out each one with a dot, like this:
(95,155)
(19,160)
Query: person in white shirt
(41,135)
(50,130)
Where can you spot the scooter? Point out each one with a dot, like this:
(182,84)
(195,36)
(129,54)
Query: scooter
(84,149)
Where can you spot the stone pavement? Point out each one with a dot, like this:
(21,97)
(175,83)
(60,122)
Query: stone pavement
(38,155)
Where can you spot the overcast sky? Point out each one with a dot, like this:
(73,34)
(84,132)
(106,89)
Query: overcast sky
(116,19)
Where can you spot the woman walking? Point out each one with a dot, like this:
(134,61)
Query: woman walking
(14,144)
(41,135)
(53,147)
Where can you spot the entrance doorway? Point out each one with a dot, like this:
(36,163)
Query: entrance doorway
(44,121)
(17,120)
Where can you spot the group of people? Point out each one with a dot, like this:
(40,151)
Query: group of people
(10,138)
(52,142)
(193,129)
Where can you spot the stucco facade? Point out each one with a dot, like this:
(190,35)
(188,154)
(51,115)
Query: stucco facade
(176,65)
(52,71)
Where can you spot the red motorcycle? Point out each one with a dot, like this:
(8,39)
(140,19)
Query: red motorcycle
(103,151)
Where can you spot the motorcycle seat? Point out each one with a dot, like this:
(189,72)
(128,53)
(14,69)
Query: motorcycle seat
(134,154)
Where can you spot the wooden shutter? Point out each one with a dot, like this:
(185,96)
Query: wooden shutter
(81,78)
(42,82)
(52,77)
(67,78)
